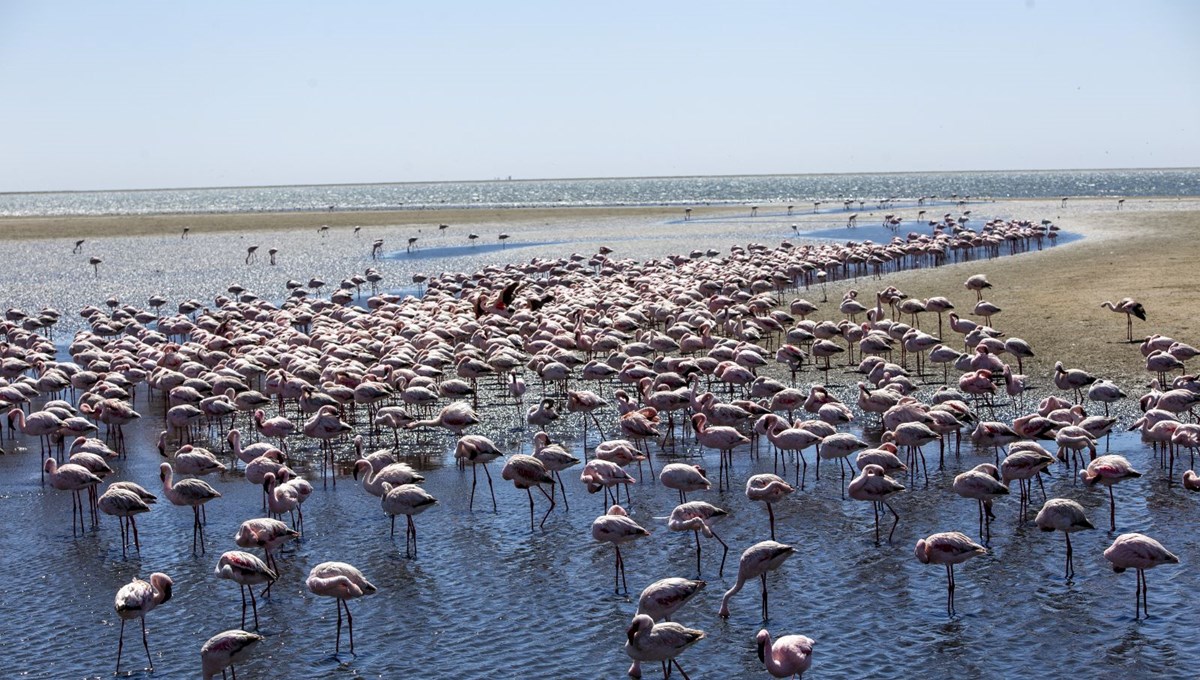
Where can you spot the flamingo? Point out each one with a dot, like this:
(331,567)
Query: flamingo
(664,597)
(73,478)
(325,425)
(982,483)
(602,474)
(872,484)
(1109,470)
(948,548)
(977,283)
(719,437)
(555,458)
(1130,308)
(789,656)
(408,500)
(684,478)
(136,599)
(39,424)
(396,474)
(266,533)
(1140,552)
(662,642)
(769,489)
(1065,515)
(193,492)
(225,649)
(756,561)
(477,450)
(526,472)
(124,505)
(697,517)
(616,527)
(343,582)
(456,417)
(247,571)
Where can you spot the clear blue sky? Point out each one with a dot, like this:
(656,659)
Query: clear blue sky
(118,94)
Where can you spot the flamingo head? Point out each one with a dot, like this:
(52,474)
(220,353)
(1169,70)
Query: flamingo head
(762,639)
(922,552)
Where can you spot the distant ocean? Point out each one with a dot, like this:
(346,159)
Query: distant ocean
(798,190)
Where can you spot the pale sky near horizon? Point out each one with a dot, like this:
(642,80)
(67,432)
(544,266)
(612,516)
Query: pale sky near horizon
(117,95)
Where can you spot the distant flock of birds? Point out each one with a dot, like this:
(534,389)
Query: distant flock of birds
(657,339)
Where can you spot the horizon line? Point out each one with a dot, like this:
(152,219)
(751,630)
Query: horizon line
(578,179)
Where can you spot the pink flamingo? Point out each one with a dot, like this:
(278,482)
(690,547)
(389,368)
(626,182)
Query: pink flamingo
(409,500)
(1065,515)
(456,417)
(476,450)
(789,656)
(326,426)
(274,428)
(666,596)
(722,438)
(343,582)
(225,649)
(73,478)
(124,505)
(266,533)
(662,642)
(698,517)
(39,424)
(756,561)
(527,472)
(247,571)
(948,548)
(684,478)
(769,489)
(1130,308)
(616,527)
(1109,470)
(602,474)
(1140,552)
(872,484)
(136,599)
(193,492)
(555,458)
(982,484)
(977,283)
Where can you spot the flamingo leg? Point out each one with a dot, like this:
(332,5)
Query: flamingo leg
(550,497)
(1112,510)
(529,492)
(1070,566)
(133,525)
(950,589)
(724,554)
(894,522)
(491,490)
(412,532)
(254,606)
(120,644)
(697,535)
(337,643)
(685,675)
(763,580)
(771,515)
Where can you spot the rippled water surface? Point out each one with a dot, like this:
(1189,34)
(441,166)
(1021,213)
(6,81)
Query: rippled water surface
(488,597)
(800,190)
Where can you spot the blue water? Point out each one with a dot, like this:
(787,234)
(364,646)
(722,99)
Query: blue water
(771,192)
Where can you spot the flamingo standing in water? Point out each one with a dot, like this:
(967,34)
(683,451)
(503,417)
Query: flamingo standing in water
(684,479)
(948,548)
(666,596)
(872,484)
(266,533)
(787,657)
(73,478)
(1109,470)
(408,500)
(476,450)
(769,489)
(662,642)
(756,561)
(724,439)
(343,582)
(1065,515)
(124,505)
(982,484)
(1140,552)
(617,527)
(136,599)
(247,571)
(225,649)
(193,492)
(697,517)
(526,472)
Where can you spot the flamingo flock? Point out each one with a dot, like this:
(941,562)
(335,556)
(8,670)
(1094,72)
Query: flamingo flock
(709,339)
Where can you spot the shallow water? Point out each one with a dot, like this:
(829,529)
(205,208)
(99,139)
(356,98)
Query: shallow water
(488,596)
